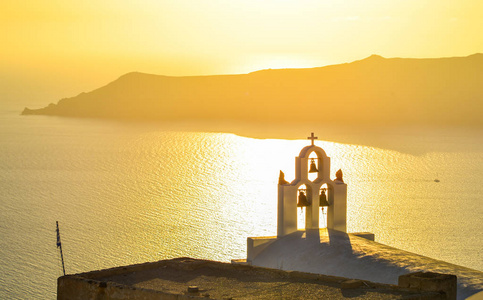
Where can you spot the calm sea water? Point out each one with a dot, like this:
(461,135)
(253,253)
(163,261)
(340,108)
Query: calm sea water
(130,193)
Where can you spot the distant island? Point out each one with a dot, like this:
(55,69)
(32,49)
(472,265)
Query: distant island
(375,90)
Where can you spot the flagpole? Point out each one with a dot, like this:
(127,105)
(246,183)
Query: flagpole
(59,245)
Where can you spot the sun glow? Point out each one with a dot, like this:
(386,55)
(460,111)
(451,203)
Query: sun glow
(280,61)
(72,41)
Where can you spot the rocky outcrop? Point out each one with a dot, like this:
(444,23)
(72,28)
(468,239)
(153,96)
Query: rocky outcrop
(374,90)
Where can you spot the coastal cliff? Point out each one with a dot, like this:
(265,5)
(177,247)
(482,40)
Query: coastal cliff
(375,90)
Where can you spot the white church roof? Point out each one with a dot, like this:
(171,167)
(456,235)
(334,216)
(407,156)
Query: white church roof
(337,253)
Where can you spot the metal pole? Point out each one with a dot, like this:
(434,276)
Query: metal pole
(59,245)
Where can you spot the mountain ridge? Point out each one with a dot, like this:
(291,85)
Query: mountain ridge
(374,90)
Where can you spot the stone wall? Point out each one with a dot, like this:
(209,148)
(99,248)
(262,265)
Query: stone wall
(73,287)
(429,281)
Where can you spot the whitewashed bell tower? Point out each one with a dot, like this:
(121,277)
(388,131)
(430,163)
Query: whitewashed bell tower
(314,195)
(310,193)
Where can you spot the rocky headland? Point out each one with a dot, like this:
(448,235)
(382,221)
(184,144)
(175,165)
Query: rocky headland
(375,90)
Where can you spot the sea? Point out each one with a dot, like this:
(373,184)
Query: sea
(126,193)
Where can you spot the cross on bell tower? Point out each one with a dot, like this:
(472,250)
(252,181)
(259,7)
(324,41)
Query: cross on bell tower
(312,137)
(288,191)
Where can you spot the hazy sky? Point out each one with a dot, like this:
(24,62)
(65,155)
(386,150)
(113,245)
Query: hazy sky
(61,47)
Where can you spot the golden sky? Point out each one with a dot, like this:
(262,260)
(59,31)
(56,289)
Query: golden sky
(81,45)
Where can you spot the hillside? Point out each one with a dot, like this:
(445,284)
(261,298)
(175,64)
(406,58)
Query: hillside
(374,90)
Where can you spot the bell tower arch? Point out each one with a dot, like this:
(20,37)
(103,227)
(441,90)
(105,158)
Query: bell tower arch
(334,193)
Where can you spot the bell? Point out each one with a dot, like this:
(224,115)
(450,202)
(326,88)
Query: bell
(313,167)
(323,199)
(302,200)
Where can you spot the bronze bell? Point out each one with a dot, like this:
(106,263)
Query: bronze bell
(313,167)
(323,199)
(302,200)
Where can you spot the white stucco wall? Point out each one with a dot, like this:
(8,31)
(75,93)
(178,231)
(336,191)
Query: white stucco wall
(288,193)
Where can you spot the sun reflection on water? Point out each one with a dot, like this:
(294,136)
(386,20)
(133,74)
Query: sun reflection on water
(202,194)
(131,193)
(143,194)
